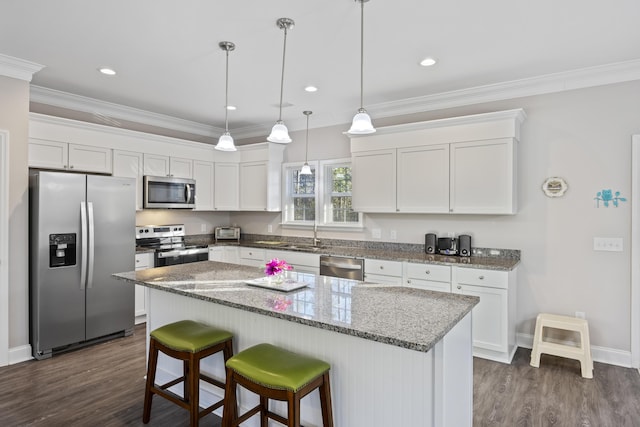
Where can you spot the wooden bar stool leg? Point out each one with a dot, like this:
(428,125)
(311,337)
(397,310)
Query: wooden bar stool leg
(264,408)
(194,389)
(151,377)
(229,410)
(294,410)
(185,384)
(325,401)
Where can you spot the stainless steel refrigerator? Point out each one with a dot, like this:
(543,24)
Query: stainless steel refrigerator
(82,230)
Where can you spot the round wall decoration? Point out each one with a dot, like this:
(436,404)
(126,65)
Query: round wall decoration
(554,187)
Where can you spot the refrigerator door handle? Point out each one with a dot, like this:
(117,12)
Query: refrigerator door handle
(83,249)
(91,256)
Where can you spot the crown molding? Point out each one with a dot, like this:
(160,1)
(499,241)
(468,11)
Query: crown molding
(18,68)
(85,104)
(551,83)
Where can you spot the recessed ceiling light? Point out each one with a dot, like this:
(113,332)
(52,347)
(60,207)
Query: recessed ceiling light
(231,107)
(107,71)
(428,62)
(311,89)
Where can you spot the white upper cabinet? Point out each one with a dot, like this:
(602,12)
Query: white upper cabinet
(226,186)
(128,164)
(76,157)
(464,165)
(253,186)
(483,176)
(260,177)
(159,165)
(203,174)
(373,175)
(423,179)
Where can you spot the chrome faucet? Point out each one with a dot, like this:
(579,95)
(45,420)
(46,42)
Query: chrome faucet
(315,234)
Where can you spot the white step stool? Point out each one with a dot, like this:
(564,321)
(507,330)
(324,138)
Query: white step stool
(582,353)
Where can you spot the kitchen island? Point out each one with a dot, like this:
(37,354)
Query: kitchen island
(399,356)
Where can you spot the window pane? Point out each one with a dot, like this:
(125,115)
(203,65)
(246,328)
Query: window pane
(304,209)
(304,184)
(340,197)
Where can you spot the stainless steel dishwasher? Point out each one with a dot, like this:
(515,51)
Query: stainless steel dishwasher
(344,267)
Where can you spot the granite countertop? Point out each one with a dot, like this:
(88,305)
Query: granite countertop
(405,317)
(480,258)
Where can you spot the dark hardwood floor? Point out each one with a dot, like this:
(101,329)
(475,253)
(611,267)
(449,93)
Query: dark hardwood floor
(103,385)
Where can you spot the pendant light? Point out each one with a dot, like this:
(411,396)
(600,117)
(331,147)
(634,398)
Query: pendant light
(306,169)
(279,132)
(225,143)
(361,121)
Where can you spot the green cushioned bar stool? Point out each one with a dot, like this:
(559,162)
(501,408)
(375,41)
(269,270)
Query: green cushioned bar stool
(275,373)
(190,342)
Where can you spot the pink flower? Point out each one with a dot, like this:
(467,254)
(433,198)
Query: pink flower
(276,266)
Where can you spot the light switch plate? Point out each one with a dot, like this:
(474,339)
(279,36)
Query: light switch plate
(609,244)
(376,233)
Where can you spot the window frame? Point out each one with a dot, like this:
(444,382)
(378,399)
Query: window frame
(322,196)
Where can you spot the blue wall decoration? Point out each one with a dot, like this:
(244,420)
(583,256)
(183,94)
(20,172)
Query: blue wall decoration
(608,197)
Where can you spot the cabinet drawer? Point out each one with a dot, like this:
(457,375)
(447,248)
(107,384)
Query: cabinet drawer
(429,285)
(252,253)
(430,272)
(489,278)
(387,268)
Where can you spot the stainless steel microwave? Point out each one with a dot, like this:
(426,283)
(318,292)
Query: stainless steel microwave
(166,192)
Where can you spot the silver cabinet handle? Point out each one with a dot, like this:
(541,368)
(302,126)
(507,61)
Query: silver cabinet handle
(382,267)
(459,287)
(408,280)
(428,271)
(341,265)
(481,277)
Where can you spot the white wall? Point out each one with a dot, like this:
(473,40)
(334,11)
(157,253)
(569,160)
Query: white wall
(194,221)
(14,110)
(583,136)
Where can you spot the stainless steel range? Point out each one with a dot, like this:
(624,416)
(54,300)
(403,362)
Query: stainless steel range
(169,245)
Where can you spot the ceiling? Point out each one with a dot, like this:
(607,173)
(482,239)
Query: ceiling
(168,61)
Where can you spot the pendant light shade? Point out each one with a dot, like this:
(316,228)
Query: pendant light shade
(361,121)
(306,169)
(225,143)
(279,132)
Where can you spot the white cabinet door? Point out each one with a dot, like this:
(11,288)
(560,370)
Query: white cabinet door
(489,316)
(48,154)
(428,276)
(203,174)
(494,318)
(253,186)
(423,179)
(252,256)
(483,177)
(226,186)
(89,159)
(216,253)
(374,181)
(156,165)
(143,261)
(382,271)
(301,262)
(181,168)
(128,164)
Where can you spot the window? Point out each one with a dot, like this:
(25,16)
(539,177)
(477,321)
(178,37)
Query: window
(324,197)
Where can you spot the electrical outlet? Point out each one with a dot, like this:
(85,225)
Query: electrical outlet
(609,244)
(581,315)
(203,228)
(393,235)
(451,234)
(376,233)
(269,228)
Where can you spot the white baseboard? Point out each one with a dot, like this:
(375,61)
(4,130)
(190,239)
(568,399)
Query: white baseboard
(607,355)
(20,354)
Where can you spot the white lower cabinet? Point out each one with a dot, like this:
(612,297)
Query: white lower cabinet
(143,261)
(301,262)
(494,318)
(251,256)
(382,271)
(224,254)
(428,276)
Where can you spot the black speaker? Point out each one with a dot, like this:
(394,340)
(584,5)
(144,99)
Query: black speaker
(464,245)
(430,240)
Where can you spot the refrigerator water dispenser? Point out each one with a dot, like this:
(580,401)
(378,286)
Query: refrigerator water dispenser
(62,250)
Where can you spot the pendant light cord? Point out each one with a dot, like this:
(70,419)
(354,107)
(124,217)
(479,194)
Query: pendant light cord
(306,147)
(284,52)
(362,54)
(226,96)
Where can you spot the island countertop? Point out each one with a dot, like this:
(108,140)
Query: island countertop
(405,317)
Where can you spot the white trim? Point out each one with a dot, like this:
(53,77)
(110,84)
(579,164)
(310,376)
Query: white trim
(611,356)
(20,354)
(18,68)
(635,251)
(4,248)
(550,83)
